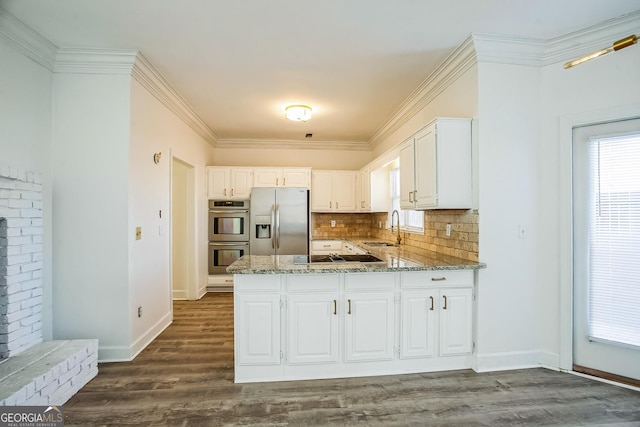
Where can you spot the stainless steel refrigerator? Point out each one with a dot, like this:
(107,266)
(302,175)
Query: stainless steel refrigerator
(279,221)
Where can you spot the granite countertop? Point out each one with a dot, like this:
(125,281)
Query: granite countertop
(397,259)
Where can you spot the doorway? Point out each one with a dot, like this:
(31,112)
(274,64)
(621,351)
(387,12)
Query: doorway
(183,261)
(606,250)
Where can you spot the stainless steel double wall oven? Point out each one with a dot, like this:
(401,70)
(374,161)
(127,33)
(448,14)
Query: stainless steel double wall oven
(228,233)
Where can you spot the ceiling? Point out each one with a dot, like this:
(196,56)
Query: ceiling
(237,62)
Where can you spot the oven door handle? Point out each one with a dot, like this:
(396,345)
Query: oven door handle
(230,212)
(228,244)
(273,227)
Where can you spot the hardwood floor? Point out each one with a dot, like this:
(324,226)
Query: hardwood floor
(185,378)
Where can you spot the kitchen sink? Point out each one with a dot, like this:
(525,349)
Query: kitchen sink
(378,244)
(338,259)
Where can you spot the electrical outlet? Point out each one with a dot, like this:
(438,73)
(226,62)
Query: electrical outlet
(333,223)
(138,233)
(448,231)
(140,311)
(522,232)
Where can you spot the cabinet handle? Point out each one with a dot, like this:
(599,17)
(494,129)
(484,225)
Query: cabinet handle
(410,198)
(329,205)
(445,302)
(336,205)
(276,182)
(232,192)
(284,182)
(431,298)
(438,279)
(415,196)
(225,192)
(335,307)
(349,304)
(228,280)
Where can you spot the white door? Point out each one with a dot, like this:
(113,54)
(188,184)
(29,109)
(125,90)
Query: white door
(296,178)
(456,325)
(218,183)
(369,326)
(426,195)
(184,268)
(606,241)
(257,329)
(313,329)
(418,328)
(321,191)
(407,170)
(344,191)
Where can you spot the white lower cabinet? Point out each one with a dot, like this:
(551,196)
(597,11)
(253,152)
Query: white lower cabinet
(369,326)
(333,325)
(312,322)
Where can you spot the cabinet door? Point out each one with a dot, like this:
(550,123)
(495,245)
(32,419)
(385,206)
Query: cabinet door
(369,323)
(426,195)
(267,177)
(241,183)
(455,321)
(296,178)
(218,183)
(363,186)
(344,191)
(321,191)
(257,324)
(407,183)
(313,329)
(418,329)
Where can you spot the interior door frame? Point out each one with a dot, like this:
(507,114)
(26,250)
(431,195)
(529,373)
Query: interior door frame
(567,124)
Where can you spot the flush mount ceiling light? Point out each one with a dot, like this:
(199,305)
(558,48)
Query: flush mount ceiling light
(297,113)
(620,44)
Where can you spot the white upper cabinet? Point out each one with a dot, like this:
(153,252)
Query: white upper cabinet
(435,166)
(363,189)
(333,191)
(229,183)
(282,177)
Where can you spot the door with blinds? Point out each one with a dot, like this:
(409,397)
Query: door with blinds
(606,230)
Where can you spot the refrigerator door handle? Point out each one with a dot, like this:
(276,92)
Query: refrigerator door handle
(277,227)
(273,227)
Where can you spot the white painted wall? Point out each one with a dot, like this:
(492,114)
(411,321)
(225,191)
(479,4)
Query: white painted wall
(597,89)
(459,99)
(25,140)
(154,128)
(90,160)
(508,315)
(286,157)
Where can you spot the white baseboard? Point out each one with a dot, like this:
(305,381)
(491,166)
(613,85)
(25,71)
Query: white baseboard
(507,361)
(127,354)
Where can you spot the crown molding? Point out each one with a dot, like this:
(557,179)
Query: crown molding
(151,79)
(293,144)
(590,39)
(27,41)
(454,66)
(94,61)
(508,49)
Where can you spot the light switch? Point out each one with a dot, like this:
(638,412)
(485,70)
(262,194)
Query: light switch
(138,233)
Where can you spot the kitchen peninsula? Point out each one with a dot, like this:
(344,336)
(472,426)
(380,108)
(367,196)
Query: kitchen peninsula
(412,313)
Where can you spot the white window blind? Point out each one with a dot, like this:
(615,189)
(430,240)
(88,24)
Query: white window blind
(412,221)
(614,240)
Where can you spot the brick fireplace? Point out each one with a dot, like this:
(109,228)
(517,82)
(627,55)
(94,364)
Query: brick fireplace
(32,372)
(20,261)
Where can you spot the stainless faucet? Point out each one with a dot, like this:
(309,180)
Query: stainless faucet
(395,212)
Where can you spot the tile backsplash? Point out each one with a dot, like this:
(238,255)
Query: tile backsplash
(463,242)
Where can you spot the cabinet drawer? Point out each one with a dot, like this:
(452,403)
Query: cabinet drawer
(326,245)
(370,281)
(257,283)
(439,278)
(313,283)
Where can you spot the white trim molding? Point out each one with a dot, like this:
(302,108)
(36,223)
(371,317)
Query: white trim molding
(293,144)
(27,41)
